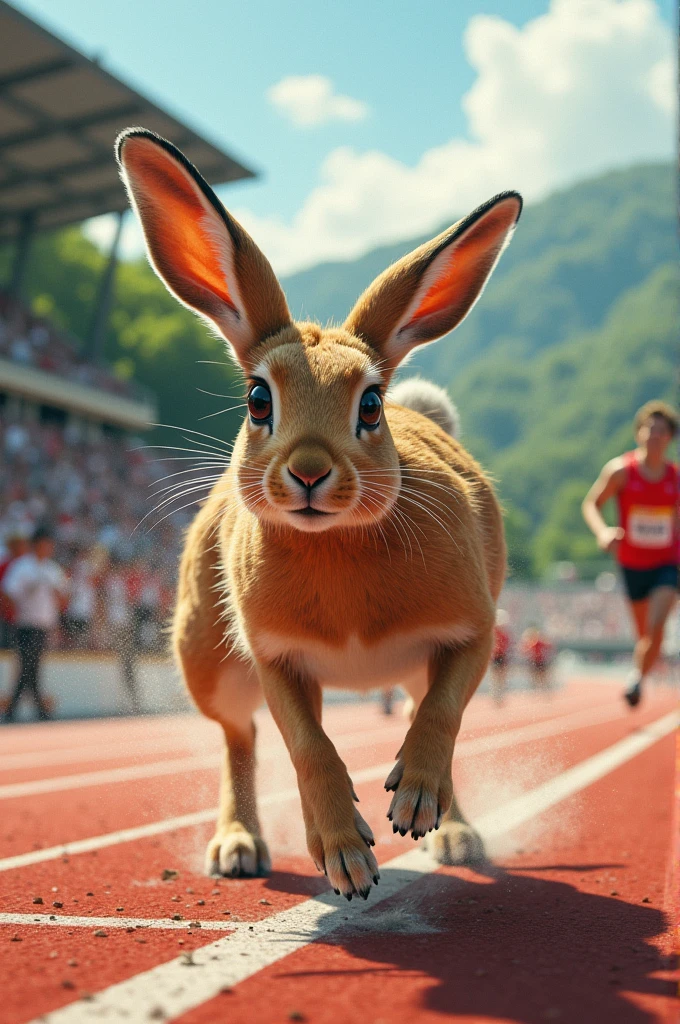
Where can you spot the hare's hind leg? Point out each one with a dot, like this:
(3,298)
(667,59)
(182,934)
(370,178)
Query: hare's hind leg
(237,848)
(226,689)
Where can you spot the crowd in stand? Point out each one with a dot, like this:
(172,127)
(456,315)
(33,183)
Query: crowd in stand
(94,490)
(572,612)
(31,341)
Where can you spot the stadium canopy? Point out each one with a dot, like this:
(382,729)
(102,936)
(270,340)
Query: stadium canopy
(59,115)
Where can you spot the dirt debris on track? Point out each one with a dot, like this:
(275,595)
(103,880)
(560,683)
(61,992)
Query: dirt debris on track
(573,919)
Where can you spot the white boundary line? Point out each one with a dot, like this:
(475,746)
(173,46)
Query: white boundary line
(179,765)
(74,753)
(466,748)
(182,984)
(391,730)
(92,752)
(67,921)
(107,776)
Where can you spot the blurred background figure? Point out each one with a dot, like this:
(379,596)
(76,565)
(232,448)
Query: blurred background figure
(538,652)
(500,656)
(79,615)
(16,545)
(120,587)
(38,590)
(387,700)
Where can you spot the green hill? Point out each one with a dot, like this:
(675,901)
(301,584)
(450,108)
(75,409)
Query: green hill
(572,256)
(577,328)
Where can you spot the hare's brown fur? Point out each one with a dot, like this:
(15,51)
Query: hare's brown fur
(333,550)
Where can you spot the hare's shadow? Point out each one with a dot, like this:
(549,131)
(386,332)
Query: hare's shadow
(494,944)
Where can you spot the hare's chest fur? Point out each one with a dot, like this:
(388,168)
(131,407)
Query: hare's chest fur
(356,665)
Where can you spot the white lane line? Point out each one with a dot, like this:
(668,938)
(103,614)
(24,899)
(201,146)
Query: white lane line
(178,986)
(94,752)
(392,730)
(465,748)
(67,921)
(538,800)
(172,766)
(113,751)
(202,737)
(107,776)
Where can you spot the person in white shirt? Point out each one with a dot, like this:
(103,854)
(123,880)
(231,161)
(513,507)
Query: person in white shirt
(38,589)
(119,614)
(79,614)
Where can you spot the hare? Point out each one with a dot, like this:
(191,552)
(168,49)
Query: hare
(351,541)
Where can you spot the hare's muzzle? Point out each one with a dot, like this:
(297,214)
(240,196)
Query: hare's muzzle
(309,466)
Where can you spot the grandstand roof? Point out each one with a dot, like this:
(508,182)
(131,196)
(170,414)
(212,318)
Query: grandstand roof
(59,115)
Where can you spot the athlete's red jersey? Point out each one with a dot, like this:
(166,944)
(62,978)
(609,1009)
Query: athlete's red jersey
(537,651)
(501,643)
(648,515)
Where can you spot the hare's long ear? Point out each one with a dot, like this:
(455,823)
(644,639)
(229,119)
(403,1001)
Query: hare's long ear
(204,257)
(427,293)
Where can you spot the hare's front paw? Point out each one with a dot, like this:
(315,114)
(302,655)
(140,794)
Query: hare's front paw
(237,854)
(346,857)
(421,796)
(456,842)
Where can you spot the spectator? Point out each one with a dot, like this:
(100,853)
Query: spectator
(121,624)
(538,651)
(80,610)
(16,545)
(38,588)
(500,656)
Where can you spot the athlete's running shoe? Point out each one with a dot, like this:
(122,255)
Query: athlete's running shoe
(633,692)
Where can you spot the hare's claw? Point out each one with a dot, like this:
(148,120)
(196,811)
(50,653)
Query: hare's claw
(418,799)
(348,859)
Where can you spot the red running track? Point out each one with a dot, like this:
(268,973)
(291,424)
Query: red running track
(573,919)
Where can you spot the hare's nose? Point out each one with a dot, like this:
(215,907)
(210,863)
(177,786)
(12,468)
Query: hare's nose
(309,479)
(309,466)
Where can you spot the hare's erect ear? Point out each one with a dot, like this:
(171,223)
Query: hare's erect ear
(428,293)
(202,254)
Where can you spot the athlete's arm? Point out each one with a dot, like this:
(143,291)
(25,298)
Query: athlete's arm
(608,484)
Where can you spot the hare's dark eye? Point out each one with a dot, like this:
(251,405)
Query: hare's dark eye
(260,403)
(370,409)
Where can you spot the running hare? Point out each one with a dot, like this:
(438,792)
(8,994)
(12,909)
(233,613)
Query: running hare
(351,541)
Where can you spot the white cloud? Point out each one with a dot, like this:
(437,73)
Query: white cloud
(309,100)
(581,89)
(584,88)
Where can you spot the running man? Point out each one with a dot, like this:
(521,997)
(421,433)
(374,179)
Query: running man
(645,542)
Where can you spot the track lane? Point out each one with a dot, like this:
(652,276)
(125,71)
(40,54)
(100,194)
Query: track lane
(415,922)
(291,883)
(26,745)
(561,934)
(136,805)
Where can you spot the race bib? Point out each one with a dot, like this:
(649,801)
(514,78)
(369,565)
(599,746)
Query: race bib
(650,527)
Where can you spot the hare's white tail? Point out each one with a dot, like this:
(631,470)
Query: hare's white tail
(429,400)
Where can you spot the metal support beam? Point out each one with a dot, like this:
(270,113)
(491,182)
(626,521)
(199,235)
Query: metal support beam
(21,252)
(100,319)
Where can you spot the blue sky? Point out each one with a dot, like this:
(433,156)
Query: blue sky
(402,148)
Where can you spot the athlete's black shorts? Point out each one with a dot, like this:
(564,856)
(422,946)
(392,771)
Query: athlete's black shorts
(640,583)
(500,660)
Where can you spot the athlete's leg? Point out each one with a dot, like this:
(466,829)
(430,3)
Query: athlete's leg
(660,604)
(650,616)
(639,611)
(499,674)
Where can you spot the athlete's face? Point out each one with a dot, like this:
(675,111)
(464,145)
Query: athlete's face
(654,435)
